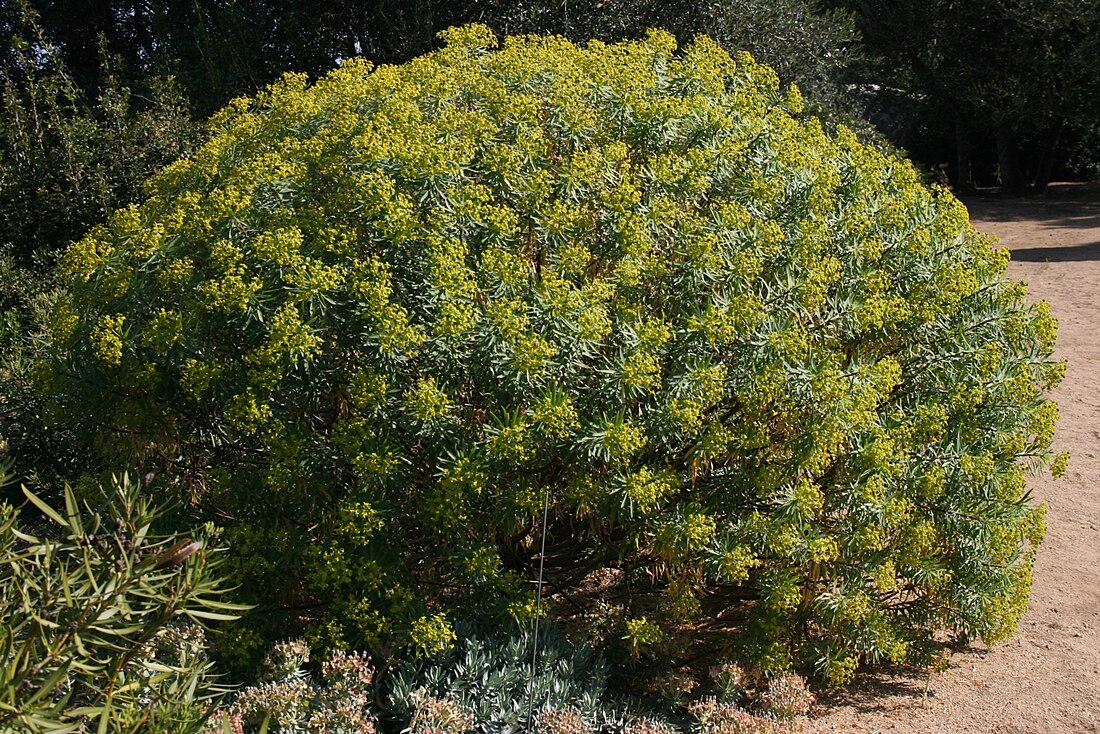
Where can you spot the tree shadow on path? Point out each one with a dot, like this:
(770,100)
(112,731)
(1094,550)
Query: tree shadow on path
(1065,205)
(1071,253)
(1047,221)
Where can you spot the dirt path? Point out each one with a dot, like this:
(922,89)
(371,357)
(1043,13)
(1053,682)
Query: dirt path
(1047,679)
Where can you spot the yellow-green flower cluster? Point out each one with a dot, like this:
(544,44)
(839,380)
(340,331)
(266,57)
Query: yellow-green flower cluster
(106,338)
(426,402)
(432,633)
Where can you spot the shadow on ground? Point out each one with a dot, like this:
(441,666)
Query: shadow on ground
(1064,205)
(880,690)
(1073,253)
(887,688)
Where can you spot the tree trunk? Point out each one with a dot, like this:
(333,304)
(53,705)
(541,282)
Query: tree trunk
(1008,160)
(1047,154)
(964,173)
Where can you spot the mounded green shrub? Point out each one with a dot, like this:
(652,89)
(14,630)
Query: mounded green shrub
(775,384)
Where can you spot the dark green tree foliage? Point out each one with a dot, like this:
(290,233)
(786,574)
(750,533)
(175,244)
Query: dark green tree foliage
(219,50)
(100,618)
(222,49)
(67,157)
(776,390)
(1016,74)
(43,454)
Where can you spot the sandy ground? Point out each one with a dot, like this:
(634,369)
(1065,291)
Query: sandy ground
(1046,679)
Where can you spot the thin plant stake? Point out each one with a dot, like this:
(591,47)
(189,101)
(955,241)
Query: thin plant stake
(538,612)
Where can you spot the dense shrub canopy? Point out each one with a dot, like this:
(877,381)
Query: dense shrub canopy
(776,385)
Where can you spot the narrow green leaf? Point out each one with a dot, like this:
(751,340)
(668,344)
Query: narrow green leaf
(46,509)
(216,616)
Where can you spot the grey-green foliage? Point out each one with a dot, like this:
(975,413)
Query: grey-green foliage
(489,673)
(101,618)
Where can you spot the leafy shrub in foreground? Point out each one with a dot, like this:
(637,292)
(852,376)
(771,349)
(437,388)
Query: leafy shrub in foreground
(786,697)
(289,699)
(780,386)
(100,623)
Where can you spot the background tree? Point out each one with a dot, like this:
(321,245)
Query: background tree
(222,49)
(69,157)
(1006,79)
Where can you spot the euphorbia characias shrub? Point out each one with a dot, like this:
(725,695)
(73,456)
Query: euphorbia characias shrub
(376,318)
